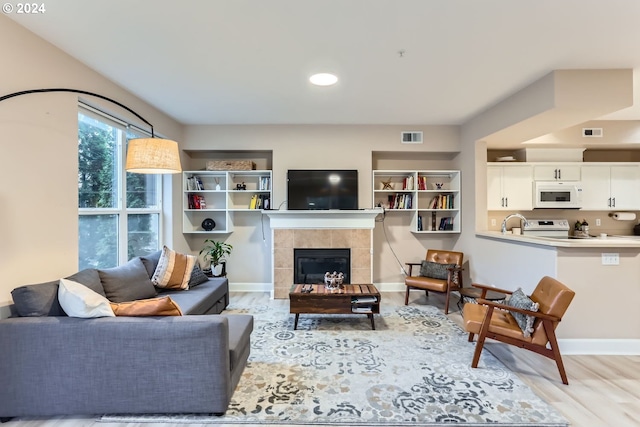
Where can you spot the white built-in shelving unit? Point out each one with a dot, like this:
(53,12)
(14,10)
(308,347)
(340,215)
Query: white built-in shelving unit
(220,195)
(431,197)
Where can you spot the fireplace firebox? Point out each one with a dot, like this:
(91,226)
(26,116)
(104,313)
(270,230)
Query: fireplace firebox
(310,265)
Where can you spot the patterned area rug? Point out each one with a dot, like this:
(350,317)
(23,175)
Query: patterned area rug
(414,369)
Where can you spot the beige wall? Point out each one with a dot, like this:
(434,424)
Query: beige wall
(38,164)
(538,110)
(327,146)
(605,305)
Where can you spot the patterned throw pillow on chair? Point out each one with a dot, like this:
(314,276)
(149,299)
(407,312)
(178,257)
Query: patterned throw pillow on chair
(435,270)
(519,299)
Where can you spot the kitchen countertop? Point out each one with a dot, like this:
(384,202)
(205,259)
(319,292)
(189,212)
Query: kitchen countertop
(612,241)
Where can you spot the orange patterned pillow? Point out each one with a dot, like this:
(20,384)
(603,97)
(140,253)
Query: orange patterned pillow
(161,306)
(173,270)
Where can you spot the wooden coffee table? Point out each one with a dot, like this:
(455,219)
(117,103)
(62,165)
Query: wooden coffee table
(349,299)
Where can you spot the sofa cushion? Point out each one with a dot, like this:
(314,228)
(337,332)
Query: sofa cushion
(37,300)
(435,270)
(77,300)
(240,327)
(127,282)
(90,278)
(160,306)
(173,270)
(41,299)
(200,299)
(519,299)
(197,277)
(151,262)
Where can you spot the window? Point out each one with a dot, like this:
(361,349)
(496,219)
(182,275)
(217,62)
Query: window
(119,212)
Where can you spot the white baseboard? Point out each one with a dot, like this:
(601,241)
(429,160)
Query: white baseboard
(390,287)
(619,347)
(250,287)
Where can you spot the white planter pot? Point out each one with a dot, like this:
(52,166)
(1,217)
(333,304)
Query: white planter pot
(216,270)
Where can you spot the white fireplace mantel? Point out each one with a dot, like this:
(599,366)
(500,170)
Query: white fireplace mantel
(317,219)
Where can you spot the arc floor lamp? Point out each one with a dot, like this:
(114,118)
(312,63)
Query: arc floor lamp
(144,155)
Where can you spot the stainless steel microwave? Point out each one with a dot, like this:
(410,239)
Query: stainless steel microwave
(557,195)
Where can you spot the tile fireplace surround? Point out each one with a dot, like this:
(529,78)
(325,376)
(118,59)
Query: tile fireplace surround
(321,229)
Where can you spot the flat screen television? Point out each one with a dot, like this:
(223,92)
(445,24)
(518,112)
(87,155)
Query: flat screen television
(312,189)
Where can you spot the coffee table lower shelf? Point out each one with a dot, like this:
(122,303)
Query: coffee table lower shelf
(350,299)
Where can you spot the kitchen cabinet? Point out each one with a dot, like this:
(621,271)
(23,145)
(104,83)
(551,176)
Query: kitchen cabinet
(556,172)
(509,187)
(608,187)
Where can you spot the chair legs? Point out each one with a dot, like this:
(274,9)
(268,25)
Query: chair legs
(481,336)
(552,353)
(426,292)
(555,351)
(406,295)
(446,303)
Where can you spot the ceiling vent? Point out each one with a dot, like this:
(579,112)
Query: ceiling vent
(592,132)
(411,137)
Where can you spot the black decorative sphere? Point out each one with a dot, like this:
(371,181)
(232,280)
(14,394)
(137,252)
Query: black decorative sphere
(208,224)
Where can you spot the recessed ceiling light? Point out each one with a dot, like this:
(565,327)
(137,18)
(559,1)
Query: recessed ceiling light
(323,79)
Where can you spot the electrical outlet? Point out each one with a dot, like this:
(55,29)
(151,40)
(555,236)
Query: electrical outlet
(598,222)
(610,258)
(493,222)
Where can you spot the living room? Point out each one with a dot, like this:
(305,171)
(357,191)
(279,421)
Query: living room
(39,167)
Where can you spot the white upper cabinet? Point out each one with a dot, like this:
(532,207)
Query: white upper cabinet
(510,187)
(556,172)
(607,187)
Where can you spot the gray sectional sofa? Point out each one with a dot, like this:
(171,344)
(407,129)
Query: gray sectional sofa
(51,364)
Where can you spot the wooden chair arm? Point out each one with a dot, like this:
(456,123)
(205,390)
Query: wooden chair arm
(453,280)
(491,288)
(410,265)
(518,310)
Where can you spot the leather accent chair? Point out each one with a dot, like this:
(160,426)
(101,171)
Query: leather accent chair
(453,281)
(489,319)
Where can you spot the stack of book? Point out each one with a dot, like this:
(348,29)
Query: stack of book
(260,201)
(265,183)
(194,183)
(442,201)
(400,201)
(197,202)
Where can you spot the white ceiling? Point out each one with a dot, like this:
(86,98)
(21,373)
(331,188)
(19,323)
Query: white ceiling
(248,62)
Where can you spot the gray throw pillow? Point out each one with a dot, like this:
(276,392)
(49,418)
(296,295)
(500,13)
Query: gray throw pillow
(435,270)
(150,262)
(197,277)
(42,299)
(90,278)
(127,282)
(519,299)
(37,300)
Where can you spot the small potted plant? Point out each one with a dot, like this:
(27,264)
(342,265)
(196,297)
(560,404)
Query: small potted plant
(215,252)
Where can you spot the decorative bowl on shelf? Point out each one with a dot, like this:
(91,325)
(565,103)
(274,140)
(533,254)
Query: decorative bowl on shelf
(208,224)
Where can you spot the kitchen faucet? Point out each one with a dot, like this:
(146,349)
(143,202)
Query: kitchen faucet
(508,217)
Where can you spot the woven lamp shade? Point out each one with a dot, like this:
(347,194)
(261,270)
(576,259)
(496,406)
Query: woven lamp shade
(153,155)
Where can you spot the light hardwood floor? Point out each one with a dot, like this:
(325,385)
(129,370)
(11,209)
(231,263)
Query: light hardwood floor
(602,391)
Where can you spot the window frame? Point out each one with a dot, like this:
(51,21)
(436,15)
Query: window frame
(120,209)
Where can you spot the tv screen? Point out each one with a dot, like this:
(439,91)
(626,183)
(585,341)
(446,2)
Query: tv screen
(311,189)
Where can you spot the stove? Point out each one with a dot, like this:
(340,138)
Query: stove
(546,228)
